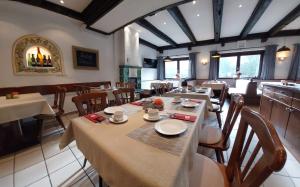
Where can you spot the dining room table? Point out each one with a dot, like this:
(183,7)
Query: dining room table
(134,153)
(214,84)
(23,106)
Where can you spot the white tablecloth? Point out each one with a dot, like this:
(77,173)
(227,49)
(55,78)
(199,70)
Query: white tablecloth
(27,105)
(215,85)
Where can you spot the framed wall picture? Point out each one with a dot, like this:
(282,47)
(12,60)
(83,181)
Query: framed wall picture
(84,58)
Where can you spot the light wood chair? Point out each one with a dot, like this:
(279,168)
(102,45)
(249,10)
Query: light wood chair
(205,172)
(59,102)
(217,108)
(124,95)
(217,139)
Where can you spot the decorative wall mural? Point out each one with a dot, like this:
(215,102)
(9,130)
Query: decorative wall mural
(35,55)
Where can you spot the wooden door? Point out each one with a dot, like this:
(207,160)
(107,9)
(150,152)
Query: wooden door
(293,128)
(279,117)
(266,104)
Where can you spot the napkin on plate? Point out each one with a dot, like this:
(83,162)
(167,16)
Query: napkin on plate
(96,118)
(183,117)
(196,100)
(137,103)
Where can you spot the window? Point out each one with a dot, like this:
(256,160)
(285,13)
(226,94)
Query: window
(181,66)
(247,63)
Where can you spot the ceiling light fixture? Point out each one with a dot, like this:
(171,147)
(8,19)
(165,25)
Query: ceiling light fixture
(165,23)
(61,2)
(194,2)
(240,5)
(198,15)
(216,55)
(283,53)
(168,59)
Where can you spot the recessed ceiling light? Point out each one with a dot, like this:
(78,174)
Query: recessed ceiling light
(240,5)
(165,23)
(61,1)
(194,2)
(198,15)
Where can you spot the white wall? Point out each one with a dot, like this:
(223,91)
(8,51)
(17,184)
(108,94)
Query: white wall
(132,47)
(18,19)
(281,68)
(148,73)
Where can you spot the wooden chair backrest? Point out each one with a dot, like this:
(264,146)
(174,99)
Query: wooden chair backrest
(90,103)
(125,85)
(223,95)
(80,90)
(251,90)
(273,154)
(235,107)
(124,95)
(59,98)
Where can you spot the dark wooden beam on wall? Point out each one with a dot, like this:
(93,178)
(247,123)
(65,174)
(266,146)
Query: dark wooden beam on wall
(178,17)
(260,8)
(294,14)
(148,44)
(97,9)
(231,39)
(147,25)
(217,15)
(53,7)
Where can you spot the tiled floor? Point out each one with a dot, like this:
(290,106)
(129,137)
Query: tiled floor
(46,165)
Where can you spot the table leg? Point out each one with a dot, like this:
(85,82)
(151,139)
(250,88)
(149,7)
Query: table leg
(100,181)
(20,127)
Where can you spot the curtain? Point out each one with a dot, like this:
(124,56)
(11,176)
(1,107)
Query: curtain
(268,66)
(160,68)
(294,73)
(193,60)
(213,67)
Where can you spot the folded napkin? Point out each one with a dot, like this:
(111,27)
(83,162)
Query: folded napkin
(95,117)
(137,103)
(196,100)
(184,117)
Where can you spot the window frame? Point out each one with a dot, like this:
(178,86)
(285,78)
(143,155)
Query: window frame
(238,55)
(178,66)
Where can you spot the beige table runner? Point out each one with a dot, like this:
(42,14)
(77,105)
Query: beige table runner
(125,162)
(27,105)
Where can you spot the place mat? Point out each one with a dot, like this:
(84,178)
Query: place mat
(171,144)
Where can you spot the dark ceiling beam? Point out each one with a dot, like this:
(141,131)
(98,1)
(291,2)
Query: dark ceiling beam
(97,9)
(53,7)
(231,39)
(178,17)
(217,14)
(260,8)
(294,14)
(147,25)
(148,44)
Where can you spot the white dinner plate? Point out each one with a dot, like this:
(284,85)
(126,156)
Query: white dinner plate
(170,127)
(113,109)
(176,101)
(146,117)
(189,104)
(125,118)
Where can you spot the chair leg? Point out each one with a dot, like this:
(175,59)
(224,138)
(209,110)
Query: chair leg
(84,163)
(40,123)
(218,155)
(219,119)
(100,181)
(222,157)
(60,122)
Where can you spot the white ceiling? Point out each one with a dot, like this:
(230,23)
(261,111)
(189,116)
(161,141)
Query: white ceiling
(165,23)
(274,13)
(77,5)
(294,25)
(235,17)
(127,11)
(201,25)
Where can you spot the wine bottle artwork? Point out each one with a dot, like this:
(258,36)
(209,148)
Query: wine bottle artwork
(33,60)
(39,57)
(45,61)
(49,62)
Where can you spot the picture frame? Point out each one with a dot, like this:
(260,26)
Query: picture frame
(85,58)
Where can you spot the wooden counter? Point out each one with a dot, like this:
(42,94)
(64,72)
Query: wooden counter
(281,105)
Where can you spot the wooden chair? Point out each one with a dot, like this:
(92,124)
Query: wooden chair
(218,139)
(90,103)
(217,108)
(124,95)
(59,101)
(125,85)
(218,100)
(80,90)
(205,172)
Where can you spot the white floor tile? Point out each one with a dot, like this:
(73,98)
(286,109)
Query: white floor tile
(72,144)
(7,181)
(88,164)
(23,161)
(278,181)
(84,182)
(28,150)
(44,182)
(292,168)
(6,168)
(60,160)
(51,148)
(67,175)
(30,175)
(296,182)
(78,154)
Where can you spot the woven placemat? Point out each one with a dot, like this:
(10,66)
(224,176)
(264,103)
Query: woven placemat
(171,144)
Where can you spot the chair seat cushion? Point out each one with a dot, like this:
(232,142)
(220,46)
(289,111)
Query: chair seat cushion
(210,135)
(207,173)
